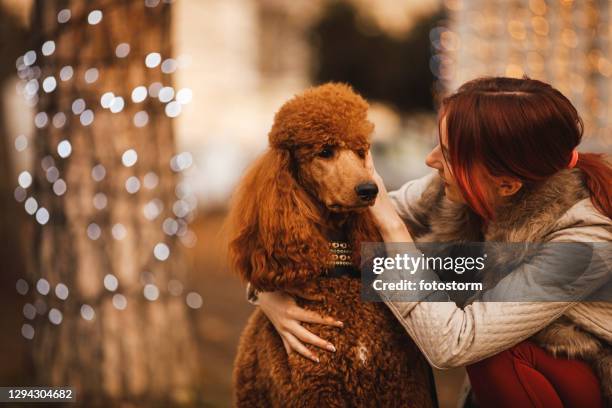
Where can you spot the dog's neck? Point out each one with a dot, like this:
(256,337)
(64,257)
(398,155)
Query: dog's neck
(341,250)
(336,225)
(336,228)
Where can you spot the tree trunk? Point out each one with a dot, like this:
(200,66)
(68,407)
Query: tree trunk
(144,354)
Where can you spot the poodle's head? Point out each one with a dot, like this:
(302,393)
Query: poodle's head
(326,132)
(314,172)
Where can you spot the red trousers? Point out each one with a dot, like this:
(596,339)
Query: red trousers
(528,376)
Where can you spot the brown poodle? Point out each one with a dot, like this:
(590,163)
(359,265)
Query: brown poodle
(311,188)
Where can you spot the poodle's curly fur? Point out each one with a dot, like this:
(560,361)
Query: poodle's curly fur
(284,213)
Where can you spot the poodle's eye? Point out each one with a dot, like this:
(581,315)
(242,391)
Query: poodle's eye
(326,152)
(361,153)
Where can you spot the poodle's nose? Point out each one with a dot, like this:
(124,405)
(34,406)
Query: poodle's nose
(367,191)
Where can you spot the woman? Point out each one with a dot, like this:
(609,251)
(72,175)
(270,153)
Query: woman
(507,171)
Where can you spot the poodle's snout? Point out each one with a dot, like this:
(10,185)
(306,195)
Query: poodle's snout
(367,191)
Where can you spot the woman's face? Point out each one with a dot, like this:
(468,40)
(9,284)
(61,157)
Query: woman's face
(496,188)
(437,159)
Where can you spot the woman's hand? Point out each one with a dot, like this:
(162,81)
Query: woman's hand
(389,223)
(286,317)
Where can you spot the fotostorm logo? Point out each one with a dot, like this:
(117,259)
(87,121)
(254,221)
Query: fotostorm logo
(411,264)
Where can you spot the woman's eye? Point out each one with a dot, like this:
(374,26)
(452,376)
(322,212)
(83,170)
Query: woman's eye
(326,152)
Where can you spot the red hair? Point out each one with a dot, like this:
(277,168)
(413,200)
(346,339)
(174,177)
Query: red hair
(522,128)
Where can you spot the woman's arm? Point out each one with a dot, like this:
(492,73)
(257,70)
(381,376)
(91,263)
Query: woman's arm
(453,337)
(551,282)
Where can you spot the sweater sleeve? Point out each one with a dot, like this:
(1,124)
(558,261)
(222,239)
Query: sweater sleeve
(450,336)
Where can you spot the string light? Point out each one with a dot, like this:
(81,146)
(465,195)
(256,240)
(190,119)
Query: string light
(564,43)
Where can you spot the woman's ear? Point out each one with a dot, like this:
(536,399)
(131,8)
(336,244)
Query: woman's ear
(274,239)
(507,186)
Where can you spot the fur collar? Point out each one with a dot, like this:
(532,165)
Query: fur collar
(532,214)
(529,216)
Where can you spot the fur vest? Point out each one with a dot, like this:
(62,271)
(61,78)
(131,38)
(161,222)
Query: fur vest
(530,216)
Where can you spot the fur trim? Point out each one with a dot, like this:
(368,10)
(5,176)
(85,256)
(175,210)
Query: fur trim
(603,368)
(576,342)
(532,213)
(447,221)
(528,217)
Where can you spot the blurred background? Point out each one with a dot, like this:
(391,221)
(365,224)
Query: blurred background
(125,125)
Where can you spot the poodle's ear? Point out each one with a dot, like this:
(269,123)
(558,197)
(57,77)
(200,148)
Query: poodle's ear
(274,239)
(363,230)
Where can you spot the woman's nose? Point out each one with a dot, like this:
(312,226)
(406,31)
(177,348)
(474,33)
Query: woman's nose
(433,159)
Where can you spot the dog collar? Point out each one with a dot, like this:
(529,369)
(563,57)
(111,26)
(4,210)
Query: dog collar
(341,253)
(341,263)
